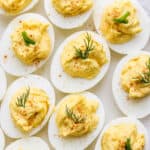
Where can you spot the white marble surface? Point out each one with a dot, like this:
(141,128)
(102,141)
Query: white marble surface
(146,5)
(103,89)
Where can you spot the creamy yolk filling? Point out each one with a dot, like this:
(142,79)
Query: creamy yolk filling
(116,137)
(132,75)
(14,6)
(77,66)
(116,32)
(34,52)
(72,7)
(28,114)
(76,116)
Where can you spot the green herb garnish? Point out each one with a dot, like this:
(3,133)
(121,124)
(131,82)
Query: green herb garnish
(21,100)
(26,39)
(73,116)
(144,78)
(88,47)
(128,144)
(122,19)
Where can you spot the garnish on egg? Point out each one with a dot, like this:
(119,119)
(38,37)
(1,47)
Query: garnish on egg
(128,144)
(21,100)
(73,116)
(122,19)
(88,47)
(144,78)
(26,39)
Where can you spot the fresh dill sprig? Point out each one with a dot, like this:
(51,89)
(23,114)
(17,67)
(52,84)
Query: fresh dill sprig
(26,39)
(128,144)
(73,116)
(144,78)
(21,100)
(89,46)
(122,19)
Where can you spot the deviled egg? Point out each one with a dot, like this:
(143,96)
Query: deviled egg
(80,62)
(15,7)
(76,122)
(2,140)
(3,83)
(123,133)
(26,44)
(30,143)
(123,23)
(68,14)
(27,106)
(131,84)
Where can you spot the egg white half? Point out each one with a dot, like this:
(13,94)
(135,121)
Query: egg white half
(2,140)
(140,127)
(65,22)
(139,41)
(6,121)
(30,143)
(75,143)
(3,85)
(133,108)
(64,82)
(8,60)
(30,6)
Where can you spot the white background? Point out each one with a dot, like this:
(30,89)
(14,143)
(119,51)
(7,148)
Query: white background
(103,89)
